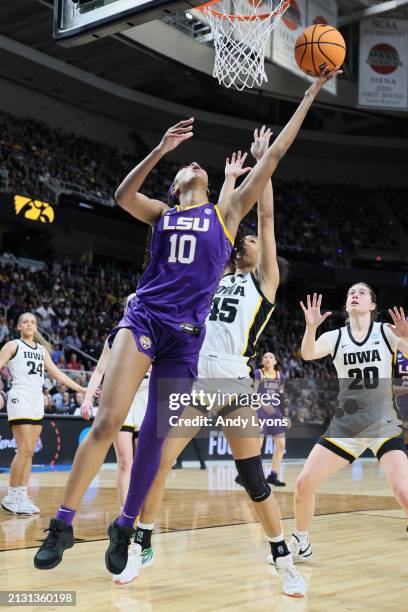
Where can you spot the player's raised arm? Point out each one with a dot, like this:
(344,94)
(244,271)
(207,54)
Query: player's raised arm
(267,268)
(239,203)
(233,170)
(312,348)
(127,194)
(399,328)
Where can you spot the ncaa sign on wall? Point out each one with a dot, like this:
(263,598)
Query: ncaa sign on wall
(383,63)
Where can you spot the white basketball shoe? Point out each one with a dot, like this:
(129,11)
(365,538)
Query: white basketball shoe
(300,548)
(10,502)
(137,560)
(292,582)
(26,505)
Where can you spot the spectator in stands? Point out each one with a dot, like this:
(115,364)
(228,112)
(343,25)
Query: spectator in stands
(67,406)
(63,320)
(73,363)
(69,338)
(4,330)
(62,362)
(79,398)
(46,314)
(48,404)
(57,393)
(57,353)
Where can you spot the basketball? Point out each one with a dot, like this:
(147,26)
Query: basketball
(319,46)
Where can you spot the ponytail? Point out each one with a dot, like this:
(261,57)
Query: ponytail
(39,339)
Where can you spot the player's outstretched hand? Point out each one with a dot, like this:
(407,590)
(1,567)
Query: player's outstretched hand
(234,166)
(261,142)
(400,324)
(86,410)
(313,316)
(325,75)
(183,130)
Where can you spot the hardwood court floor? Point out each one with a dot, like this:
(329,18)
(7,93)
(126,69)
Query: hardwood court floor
(210,551)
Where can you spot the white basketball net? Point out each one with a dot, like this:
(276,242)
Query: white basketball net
(241,30)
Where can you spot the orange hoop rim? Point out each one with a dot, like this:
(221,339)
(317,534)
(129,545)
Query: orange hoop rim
(203,8)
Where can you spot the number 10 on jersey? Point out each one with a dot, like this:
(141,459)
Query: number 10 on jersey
(182,248)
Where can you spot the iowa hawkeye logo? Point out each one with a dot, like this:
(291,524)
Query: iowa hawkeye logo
(33,210)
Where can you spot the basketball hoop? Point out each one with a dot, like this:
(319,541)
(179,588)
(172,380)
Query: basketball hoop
(241,30)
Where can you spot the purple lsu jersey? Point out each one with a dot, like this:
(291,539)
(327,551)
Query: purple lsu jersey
(189,251)
(401,380)
(268,385)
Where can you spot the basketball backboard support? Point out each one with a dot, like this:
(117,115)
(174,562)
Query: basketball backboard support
(81,21)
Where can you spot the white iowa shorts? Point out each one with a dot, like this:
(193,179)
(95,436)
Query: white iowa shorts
(352,448)
(137,410)
(223,375)
(25,406)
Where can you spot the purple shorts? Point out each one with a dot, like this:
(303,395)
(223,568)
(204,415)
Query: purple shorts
(160,342)
(269,429)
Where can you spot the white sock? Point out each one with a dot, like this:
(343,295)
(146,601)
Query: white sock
(276,539)
(12,491)
(148,526)
(301,534)
(22,490)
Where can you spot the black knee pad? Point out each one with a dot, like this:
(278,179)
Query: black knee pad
(253,478)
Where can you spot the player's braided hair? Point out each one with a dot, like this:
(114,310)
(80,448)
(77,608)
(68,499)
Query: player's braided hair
(238,251)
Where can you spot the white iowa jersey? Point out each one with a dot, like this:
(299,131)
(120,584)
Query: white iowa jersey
(27,367)
(364,368)
(239,313)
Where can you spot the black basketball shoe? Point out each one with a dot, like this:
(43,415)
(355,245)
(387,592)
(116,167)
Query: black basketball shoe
(59,537)
(116,556)
(274,480)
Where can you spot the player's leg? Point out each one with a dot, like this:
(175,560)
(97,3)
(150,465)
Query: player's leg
(22,436)
(153,432)
(172,448)
(279,445)
(141,554)
(262,439)
(26,436)
(320,464)
(247,456)
(394,462)
(126,369)
(26,505)
(123,444)
(198,453)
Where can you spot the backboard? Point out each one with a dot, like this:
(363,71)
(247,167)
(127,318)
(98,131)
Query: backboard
(80,21)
